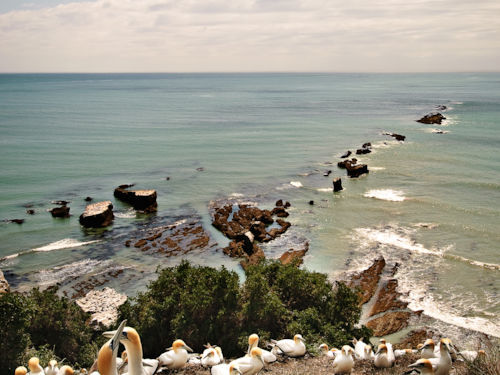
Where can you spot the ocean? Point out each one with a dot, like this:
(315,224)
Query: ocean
(431,203)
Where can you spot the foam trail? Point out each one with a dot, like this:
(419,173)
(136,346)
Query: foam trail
(490,266)
(297,184)
(325,190)
(386,195)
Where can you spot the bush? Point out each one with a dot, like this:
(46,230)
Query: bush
(487,364)
(196,304)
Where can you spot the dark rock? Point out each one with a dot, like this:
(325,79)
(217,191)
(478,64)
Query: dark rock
(398,137)
(88,199)
(327,173)
(144,200)
(366,145)
(287,204)
(280,212)
(97,215)
(432,118)
(126,186)
(4,285)
(61,203)
(279,203)
(362,151)
(368,280)
(389,323)
(141,243)
(345,163)
(167,178)
(311,203)
(388,298)
(30,212)
(200,169)
(346,155)
(337,184)
(60,211)
(16,221)
(357,170)
(441,107)
(293,257)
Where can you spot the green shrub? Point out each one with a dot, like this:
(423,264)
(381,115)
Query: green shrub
(15,316)
(196,304)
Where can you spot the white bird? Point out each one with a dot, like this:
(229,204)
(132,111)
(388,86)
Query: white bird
(390,352)
(253,342)
(21,370)
(34,366)
(249,365)
(359,348)
(442,364)
(106,359)
(225,369)
(428,349)
(344,361)
(66,370)
(52,368)
(369,352)
(382,359)
(402,352)
(292,348)
(210,357)
(471,355)
(423,366)
(176,356)
(132,342)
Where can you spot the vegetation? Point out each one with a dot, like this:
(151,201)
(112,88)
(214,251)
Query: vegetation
(486,364)
(202,304)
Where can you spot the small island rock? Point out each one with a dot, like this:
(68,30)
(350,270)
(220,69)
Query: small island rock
(97,215)
(432,118)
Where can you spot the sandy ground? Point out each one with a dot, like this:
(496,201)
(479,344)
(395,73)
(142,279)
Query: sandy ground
(320,365)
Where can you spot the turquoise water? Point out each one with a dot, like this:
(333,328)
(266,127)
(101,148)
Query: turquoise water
(430,203)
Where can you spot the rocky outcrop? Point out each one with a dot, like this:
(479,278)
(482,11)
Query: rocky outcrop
(365,149)
(295,257)
(103,306)
(62,211)
(327,173)
(143,200)
(398,137)
(389,323)
(357,170)
(367,280)
(4,285)
(388,298)
(337,184)
(97,215)
(432,118)
(346,155)
(15,221)
(344,164)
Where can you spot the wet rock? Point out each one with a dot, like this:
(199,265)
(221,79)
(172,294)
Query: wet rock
(366,145)
(88,199)
(16,221)
(279,203)
(432,118)
(144,200)
(200,169)
(60,212)
(4,285)
(327,173)
(103,306)
(280,212)
(287,204)
(337,184)
(30,212)
(294,256)
(167,178)
(344,164)
(362,151)
(311,203)
(441,107)
(357,170)
(389,323)
(398,137)
(388,298)
(97,215)
(346,155)
(368,280)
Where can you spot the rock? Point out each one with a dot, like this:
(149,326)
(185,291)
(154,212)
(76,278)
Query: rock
(16,221)
(88,199)
(200,169)
(357,170)
(432,118)
(279,203)
(398,137)
(97,215)
(337,184)
(103,306)
(287,204)
(294,256)
(413,338)
(346,155)
(4,285)
(388,298)
(389,323)
(61,203)
(167,178)
(280,212)
(60,211)
(366,145)
(344,164)
(441,107)
(327,173)
(311,203)
(368,280)
(362,151)
(144,200)
(30,212)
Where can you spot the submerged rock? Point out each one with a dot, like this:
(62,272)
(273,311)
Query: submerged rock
(97,215)
(60,211)
(357,170)
(346,155)
(389,323)
(30,212)
(4,285)
(432,118)
(398,137)
(103,306)
(368,280)
(16,221)
(337,184)
(144,200)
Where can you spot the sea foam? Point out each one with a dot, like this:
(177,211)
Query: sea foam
(386,195)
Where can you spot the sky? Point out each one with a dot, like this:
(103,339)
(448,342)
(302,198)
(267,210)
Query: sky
(249,36)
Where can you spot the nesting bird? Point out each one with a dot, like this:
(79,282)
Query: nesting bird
(176,356)
(291,348)
(21,370)
(210,357)
(253,342)
(442,364)
(427,349)
(225,369)
(344,361)
(34,366)
(390,352)
(106,359)
(249,365)
(382,358)
(66,370)
(52,368)
(423,366)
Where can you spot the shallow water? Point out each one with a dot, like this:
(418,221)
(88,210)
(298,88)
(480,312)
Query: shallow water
(430,203)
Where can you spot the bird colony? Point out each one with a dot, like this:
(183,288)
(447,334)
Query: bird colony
(435,359)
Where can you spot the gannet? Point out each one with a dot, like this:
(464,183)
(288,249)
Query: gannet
(382,359)
(176,356)
(471,355)
(292,348)
(132,342)
(225,369)
(442,365)
(219,352)
(253,342)
(249,365)
(67,370)
(402,352)
(369,352)
(106,359)
(344,362)
(52,368)
(423,366)
(21,370)
(390,352)
(210,358)
(428,349)
(359,348)
(34,366)
(325,351)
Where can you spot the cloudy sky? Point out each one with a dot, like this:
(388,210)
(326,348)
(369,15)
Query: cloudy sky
(249,35)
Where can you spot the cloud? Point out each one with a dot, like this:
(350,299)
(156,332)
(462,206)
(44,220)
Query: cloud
(253,35)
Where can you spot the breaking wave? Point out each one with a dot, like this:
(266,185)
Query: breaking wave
(386,195)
